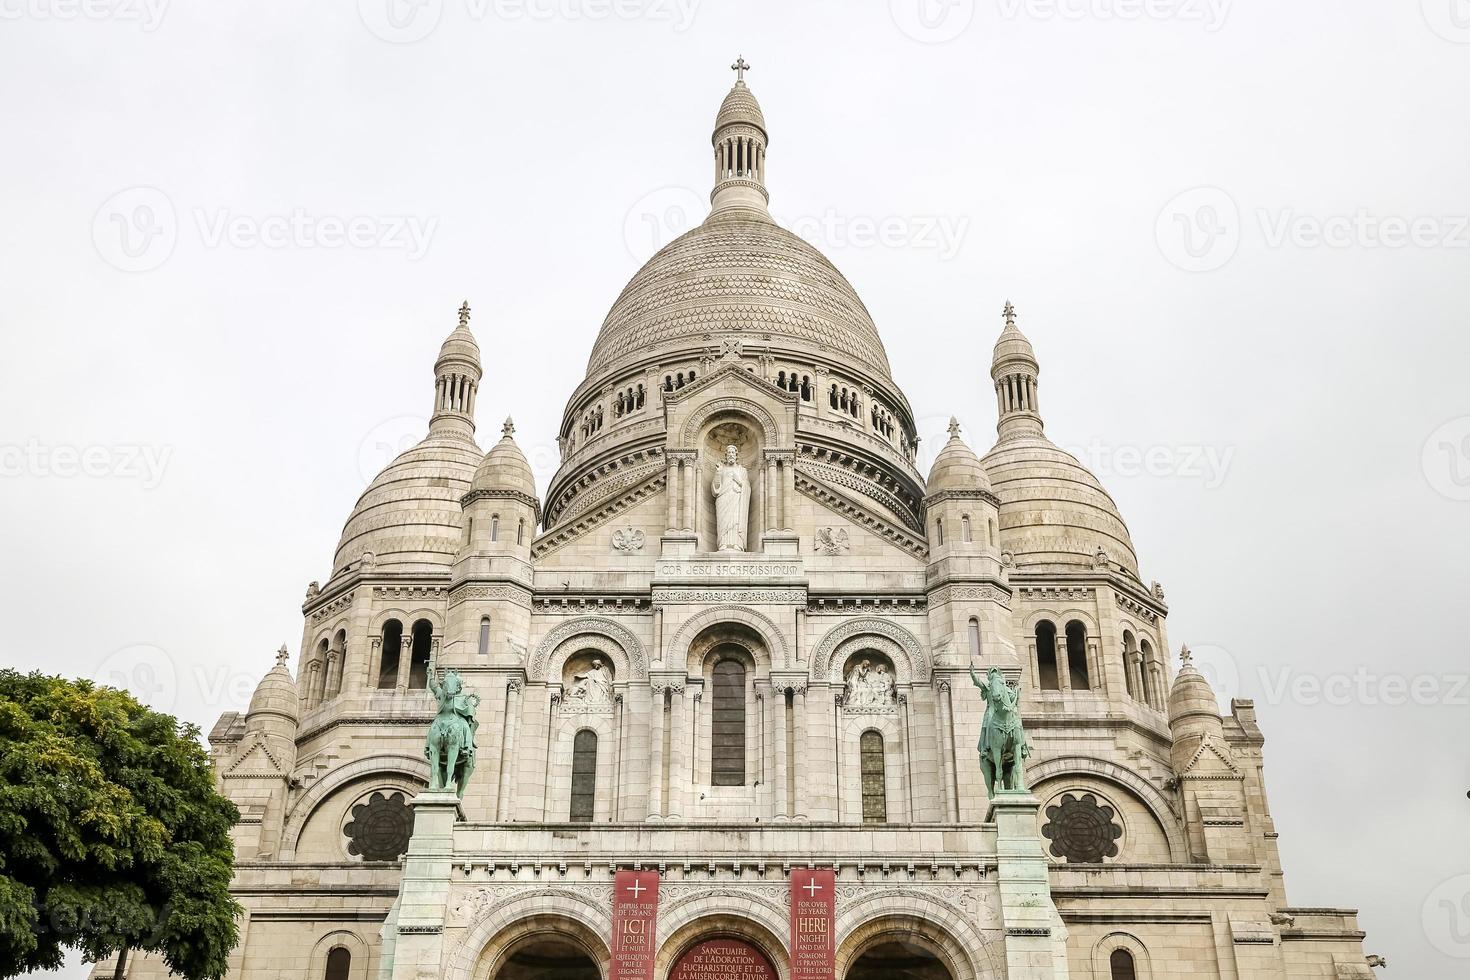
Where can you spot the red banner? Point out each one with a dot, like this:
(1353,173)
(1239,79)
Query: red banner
(813,915)
(723,959)
(634,923)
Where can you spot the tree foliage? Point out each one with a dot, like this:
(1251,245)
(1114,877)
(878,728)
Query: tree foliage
(111,832)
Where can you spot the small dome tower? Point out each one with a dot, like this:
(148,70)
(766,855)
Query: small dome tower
(1194,713)
(456,380)
(1014,369)
(740,142)
(258,777)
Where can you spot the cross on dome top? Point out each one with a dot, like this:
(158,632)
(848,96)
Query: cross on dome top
(954,427)
(509,428)
(740,67)
(1010,314)
(282,655)
(464,314)
(1186,657)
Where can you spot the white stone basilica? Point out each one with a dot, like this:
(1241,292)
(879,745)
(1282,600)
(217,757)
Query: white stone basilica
(733,642)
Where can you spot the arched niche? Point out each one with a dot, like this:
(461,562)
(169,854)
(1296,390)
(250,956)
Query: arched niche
(588,633)
(902,648)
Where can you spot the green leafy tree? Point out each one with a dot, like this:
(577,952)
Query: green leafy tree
(112,836)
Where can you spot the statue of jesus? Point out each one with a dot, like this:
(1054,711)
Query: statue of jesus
(731,486)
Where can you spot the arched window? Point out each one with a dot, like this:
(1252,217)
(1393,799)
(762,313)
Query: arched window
(418,666)
(875,786)
(484,635)
(727,725)
(521,531)
(939,530)
(1150,688)
(494,527)
(469,530)
(965,528)
(1129,645)
(1077,656)
(584,775)
(389,651)
(1120,963)
(975,639)
(1046,656)
(339,964)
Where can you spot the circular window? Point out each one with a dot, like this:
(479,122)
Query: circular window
(379,827)
(1081,830)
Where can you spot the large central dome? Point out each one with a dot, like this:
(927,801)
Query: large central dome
(739,272)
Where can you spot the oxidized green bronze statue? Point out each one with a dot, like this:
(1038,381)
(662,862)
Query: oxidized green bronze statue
(1003,747)
(451,748)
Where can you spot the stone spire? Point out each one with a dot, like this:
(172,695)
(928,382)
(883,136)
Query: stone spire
(740,149)
(456,380)
(1014,370)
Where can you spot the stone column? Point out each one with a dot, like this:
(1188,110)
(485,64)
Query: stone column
(671,468)
(656,755)
(510,725)
(779,716)
(788,491)
(679,746)
(313,674)
(405,660)
(773,491)
(1135,676)
(908,755)
(333,682)
(800,802)
(946,750)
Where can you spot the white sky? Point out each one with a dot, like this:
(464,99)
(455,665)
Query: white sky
(1303,402)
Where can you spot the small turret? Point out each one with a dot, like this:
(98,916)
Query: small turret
(258,775)
(740,142)
(1194,713)
(1014,369)
(501,509)
(456,380)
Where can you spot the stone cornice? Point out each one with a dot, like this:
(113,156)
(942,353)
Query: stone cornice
(488,493)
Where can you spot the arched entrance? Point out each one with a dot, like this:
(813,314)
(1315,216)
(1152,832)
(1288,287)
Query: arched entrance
(723,958)
(547,957)
(898,959)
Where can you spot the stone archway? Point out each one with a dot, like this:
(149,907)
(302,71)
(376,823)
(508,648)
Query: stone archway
(899,958)
(546,956)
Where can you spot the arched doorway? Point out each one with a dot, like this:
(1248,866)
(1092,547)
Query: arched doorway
(547,958)
(898,959)
(727,957)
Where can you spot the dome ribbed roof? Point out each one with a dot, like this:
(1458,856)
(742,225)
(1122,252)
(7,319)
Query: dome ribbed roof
(739,273)
(740,106)
(1053,511)
(957,467)
(410,517)
(275,694)
(505,467)
(1192,696)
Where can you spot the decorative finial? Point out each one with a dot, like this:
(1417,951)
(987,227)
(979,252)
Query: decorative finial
(740,68)
(464,314)
(1185,656)
(1010,314)
(509,428)
(282,655)
(954,427)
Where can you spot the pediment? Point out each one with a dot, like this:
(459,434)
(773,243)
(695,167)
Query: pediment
(1211,758)
(255,759)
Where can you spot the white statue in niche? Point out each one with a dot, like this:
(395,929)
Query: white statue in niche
(593,687)
(731,486)
(869,686)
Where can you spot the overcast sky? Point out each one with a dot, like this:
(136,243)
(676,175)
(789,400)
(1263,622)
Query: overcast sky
(235,235)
